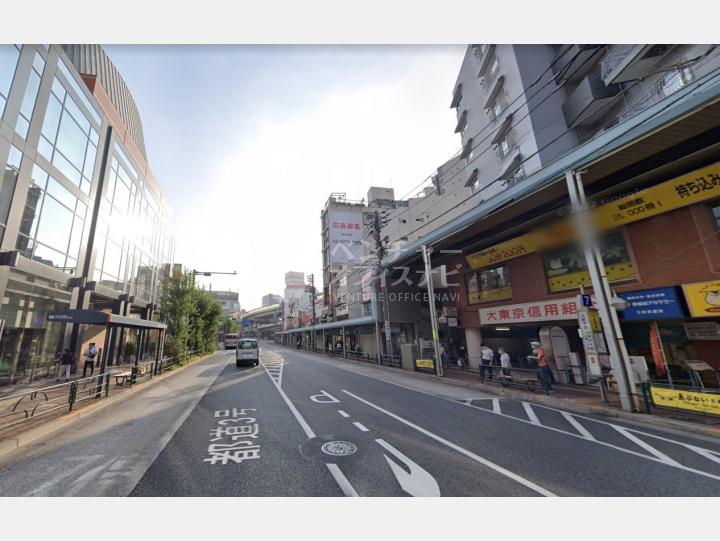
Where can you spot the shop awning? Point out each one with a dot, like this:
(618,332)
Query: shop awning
(96,317)
(357,322)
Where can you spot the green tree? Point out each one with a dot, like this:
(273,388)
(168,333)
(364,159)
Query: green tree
(193,316)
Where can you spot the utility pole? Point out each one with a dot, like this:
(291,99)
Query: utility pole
(603,296)
(433,313)
(312,292)
(377,228)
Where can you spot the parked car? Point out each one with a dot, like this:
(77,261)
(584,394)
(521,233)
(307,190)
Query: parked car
(230,341)
(247,352)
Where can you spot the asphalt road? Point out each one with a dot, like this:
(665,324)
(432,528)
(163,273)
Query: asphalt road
(305,425)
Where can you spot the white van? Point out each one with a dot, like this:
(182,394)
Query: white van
(230,341)
(247,352)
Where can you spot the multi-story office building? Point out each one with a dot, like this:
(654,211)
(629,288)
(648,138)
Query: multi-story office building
(271,298)
(83,221)
(229,301)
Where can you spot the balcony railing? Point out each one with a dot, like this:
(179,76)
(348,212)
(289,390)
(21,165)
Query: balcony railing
(615,55)
(665,86)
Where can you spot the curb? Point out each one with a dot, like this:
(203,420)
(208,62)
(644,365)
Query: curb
(30,435)
(648,421)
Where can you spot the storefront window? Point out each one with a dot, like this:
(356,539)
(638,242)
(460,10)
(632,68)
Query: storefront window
(9,55)
(566,269)
(488,285)
(52,223)
(716,215)
(30,344)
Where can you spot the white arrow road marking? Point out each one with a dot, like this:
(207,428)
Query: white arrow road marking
(515,477)
(336,472)
(416,483)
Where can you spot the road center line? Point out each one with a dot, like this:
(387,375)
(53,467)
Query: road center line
(335,471)
(515,477)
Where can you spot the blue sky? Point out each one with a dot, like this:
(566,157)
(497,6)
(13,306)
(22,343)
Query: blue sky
(247,142)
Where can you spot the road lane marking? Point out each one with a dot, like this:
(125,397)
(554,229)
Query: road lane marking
(530,413)
(335,471)
(416,483)
(324,397)
(553,429)
(605,444)
(710,455)
(580,428)
(496,405)
(361,426)
(649,448)
(515,477)
(342,481)
(342,413)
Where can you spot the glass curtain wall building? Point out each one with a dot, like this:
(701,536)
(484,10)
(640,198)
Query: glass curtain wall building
(77,201)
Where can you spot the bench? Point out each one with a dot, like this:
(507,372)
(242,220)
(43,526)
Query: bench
(507,380)
(122,377)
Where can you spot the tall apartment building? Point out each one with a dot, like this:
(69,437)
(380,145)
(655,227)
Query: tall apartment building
(83,221)
(297,300)
(270,299)
(520,107)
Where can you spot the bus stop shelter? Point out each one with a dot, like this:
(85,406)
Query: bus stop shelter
(113,324)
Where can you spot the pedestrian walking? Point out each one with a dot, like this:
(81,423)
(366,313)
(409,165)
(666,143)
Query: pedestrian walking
(462,357)
(90,355)
(443,356)
(505,364)
(66,361)
(544,371)
(487,356)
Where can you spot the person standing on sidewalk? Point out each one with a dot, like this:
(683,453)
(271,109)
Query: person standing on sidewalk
(504,361)
(543,367)
(90,355)
(487,356)
(66,361)
(462,357)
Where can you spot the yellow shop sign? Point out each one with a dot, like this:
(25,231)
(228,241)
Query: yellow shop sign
(424,363)
(694,187)
(703,298)
(686,400)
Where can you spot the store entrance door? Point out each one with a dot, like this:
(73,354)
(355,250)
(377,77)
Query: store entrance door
(557,347)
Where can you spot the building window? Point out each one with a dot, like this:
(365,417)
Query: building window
(716,215)
(515,176)
(68,139)
(52,223)
(488,285)
(7,186)
(31,92)
(566,268)
(498,106)
(9,55)
(505,144)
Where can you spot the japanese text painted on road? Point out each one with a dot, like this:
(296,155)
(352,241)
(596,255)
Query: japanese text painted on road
(234,439)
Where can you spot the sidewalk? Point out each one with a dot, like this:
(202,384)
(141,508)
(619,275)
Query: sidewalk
(580,399)
(12,389)
(574,396)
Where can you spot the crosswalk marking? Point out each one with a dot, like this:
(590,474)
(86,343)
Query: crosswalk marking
(531,414)
(580,428)
(649,448)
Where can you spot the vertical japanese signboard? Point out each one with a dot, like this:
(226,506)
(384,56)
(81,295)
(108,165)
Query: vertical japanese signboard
(346,235)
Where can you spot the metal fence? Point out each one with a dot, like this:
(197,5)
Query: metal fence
(64,397)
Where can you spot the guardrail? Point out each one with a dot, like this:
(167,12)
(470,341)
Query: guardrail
(30,405)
